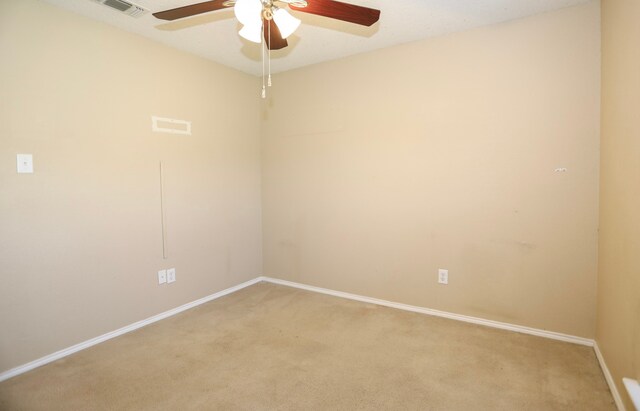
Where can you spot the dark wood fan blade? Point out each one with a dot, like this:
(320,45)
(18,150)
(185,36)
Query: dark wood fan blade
(340,11)
(191,10)
(275,40)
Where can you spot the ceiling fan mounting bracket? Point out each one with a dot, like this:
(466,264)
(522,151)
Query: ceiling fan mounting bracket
(267,13)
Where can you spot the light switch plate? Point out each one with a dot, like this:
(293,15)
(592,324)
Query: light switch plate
(25,163)
(171,275)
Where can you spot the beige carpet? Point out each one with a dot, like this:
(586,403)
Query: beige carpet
(271,347)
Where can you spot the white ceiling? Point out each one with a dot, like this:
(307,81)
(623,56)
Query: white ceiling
(215,35)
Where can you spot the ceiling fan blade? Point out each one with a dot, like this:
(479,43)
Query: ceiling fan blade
(340,11)
(275,40)
(191,10)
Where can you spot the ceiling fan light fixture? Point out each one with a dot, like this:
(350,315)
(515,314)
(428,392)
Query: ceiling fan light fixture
(252,32)
(268,25)
(248,11)
(285,21)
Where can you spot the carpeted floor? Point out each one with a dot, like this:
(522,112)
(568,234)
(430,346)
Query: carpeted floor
(270,347)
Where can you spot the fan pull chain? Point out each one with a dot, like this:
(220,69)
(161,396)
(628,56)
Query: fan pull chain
(269,57)
(262,45)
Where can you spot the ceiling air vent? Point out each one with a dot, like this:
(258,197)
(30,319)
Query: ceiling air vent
(125,7)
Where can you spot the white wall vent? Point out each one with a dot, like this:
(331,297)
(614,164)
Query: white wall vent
(170,125)
(125,7)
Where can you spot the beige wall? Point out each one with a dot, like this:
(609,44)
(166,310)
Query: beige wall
(80,239)
(381,168)
(377,170)
(618,331)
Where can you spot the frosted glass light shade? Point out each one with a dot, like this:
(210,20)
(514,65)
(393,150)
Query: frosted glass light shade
(252,32)
(285,22)
(248,11)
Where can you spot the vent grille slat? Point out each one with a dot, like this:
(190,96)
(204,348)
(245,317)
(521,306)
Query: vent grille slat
(118,5)
(137,11)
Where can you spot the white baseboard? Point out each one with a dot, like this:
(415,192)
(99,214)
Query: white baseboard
(607,376)
(131,327)
(633,388)
(481,321)
(438,313)
(490,323)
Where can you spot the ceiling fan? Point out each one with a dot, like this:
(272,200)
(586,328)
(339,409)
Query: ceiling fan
(269,18)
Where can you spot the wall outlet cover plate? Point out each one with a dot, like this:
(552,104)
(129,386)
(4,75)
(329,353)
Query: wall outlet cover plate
(162,276)
(25,163)
(443,276)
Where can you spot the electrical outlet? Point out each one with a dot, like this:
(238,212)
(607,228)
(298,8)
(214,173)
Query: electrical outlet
(171,275)
(162,276)
(25,163)
(443,276)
